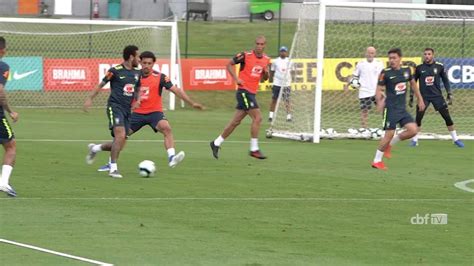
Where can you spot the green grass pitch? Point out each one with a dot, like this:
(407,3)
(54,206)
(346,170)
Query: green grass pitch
(308,204)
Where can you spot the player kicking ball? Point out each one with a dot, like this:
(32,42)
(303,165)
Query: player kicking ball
(394,80)
(430,74)
(148,111)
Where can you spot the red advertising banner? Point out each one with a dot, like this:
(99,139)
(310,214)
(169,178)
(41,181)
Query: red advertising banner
(85,74)
(206,74)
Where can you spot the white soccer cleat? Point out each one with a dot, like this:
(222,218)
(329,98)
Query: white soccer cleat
(115,174)
(176,159)
(90,155)
(8,189)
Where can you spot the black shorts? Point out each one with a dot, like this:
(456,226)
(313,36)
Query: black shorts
(6,132)
(392,117)
(366,103)
(276,91)
(438,103)
(137,120)
(118,117)
(245,100)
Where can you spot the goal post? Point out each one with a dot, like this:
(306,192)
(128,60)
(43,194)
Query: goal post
(56,62)
(331,38)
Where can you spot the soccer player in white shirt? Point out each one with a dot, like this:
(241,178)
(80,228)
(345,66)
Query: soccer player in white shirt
(367,72)
(280,75)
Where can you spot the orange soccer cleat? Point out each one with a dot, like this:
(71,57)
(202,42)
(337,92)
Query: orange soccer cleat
(379,165)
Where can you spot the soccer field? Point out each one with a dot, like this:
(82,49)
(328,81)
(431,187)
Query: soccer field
(308,204)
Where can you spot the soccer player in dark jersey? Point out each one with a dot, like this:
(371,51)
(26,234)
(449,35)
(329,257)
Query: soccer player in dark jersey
(150,109)
(430,74)
(7,139)
(395,81)
(254,67)
(124,84)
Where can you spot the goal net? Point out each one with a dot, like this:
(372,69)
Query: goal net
(56,63)
(339,33)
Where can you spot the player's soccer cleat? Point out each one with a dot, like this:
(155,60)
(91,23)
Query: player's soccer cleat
(104,168)
(115,174)
(413,143)
(388,152)
(459,143)
(379,165)
(8,189)
(175,160)
(215,150)
(90,155)
(257,154)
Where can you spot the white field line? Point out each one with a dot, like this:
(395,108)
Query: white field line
(237,199)
(141,140)
(463,185)
(96,262)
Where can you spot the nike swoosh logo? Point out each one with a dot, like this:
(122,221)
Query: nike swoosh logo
(423,71)
(23,75)
(392,77)
(122,77)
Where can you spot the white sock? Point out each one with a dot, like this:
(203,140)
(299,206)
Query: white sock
(218,142)
(110,160)
(415,138)
(270,115)
(378,156)
(97,148)
(6,172)
(288,116)
(454,136)
(253,144)
(113,167)
(395,140)
(171,152)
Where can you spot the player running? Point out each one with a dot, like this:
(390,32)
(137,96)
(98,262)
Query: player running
(430,74)
(150,110)
(124,84)
(253,68)
(395,80)
(7,139)
(280,74)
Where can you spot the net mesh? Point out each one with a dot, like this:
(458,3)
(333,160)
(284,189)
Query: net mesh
(348,32)
(56,65)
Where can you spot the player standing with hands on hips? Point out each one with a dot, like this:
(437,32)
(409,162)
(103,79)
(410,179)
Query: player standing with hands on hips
(254,67)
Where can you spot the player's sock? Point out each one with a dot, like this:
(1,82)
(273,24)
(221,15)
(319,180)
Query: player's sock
(97,148)
(453,134)
(218,142)
(415,138)
(6,172)
(113,167)
(171,152)
(270,115)
(254,144)
(378,156)
(395,140)
(288,117)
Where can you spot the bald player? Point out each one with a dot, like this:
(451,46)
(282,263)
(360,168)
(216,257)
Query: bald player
(254,67)
(367,72)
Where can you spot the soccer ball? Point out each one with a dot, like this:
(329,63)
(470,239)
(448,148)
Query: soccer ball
(354,83)
(376,133)
(146,168)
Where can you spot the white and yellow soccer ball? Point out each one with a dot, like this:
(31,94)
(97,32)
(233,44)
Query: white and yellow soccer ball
(146,168)
(354,83)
